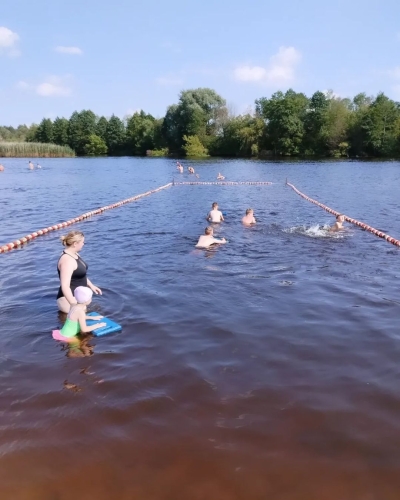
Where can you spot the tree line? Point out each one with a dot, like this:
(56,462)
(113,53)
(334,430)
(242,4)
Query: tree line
(286,124)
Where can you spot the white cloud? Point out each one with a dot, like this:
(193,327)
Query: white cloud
(69,50)
(22,85)
(8,42)
(280,70)
(54,86)
(167,81)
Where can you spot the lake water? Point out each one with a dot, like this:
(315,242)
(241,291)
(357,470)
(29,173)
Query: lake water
(265,369)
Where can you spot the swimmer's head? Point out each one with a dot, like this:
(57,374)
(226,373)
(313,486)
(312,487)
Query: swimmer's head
(340,218)
(72,238)
(249,211)
(209,231)
(215,205)
(83,295)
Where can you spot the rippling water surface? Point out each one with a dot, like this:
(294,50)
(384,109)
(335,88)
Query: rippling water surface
(265,369)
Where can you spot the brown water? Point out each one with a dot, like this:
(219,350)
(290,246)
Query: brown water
(267,369)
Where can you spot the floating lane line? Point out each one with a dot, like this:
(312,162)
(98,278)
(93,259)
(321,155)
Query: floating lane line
(371,229)
(21,241)
(222,183)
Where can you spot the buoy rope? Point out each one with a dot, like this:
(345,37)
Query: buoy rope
(17,243)
(222,183)
(371,229)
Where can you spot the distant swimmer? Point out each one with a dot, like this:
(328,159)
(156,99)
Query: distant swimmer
(191,170)
(1,168)
(38,166)
(179,167)
(215,215)
(220,177)
(31,166)
(249,219)
(207,239)
(338,226)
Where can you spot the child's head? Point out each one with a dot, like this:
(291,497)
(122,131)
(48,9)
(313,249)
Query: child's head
(249,211)
(209,231)
(83,295)
(215,205)
(340,218)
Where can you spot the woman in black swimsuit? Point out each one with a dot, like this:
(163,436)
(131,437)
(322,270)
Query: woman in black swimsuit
(72,271)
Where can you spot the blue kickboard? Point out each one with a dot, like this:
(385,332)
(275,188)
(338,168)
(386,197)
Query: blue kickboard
(111,326)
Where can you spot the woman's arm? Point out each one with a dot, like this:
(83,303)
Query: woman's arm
(66,269)
(95,289)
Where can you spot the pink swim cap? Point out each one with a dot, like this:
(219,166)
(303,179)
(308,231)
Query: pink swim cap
(83,294)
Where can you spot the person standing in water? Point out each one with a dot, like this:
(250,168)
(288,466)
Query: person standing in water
(31,166)
(191,170)
(215,215)
(72,271)
(338,226)
(249,219)
(207,239)
(1,168)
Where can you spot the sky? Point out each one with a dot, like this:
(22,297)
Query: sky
(120,56)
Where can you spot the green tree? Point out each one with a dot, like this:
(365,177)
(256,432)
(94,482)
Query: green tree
(101,128)
(284,118)
(240,136)
(115,136)
(381,126)
(198,113)
(314,120)
(193,146)
(334,129)
(60,131)
(95,146)
(80,127)
(141,133)
(44,132)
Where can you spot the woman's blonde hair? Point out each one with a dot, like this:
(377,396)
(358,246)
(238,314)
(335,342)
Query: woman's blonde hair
(71,238)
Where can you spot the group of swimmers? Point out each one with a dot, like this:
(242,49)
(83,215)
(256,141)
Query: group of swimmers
(31,166)
(191,170)
(215,216)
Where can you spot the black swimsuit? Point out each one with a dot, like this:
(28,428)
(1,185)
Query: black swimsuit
(78,277)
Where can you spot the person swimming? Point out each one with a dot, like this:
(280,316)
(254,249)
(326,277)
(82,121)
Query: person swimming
(1,168)
(179,167)
(191,170)
(207,239)
(215,215)
(249,219)
(220,177)
(76,319)
(31,166)
(38,166)
(338,226)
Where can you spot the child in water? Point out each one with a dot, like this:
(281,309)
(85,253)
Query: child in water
(338,226)
(76,319)
(207,239)
(215,215)
(249,219)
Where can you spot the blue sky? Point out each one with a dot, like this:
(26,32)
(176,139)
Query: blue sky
(125,55)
